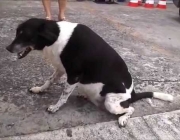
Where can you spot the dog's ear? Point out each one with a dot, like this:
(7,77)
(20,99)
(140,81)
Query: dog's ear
(48,32)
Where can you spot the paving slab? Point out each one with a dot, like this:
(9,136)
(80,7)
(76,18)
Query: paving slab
(153,63)
(164,126)
(102,131)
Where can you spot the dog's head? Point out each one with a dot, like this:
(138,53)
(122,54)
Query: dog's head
(33,34)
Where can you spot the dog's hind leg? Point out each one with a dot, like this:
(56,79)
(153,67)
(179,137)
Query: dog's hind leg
(57,74)
(68,89)
(124,118)
(116,103)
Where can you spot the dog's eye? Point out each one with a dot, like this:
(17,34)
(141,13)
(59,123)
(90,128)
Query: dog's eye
(19,32)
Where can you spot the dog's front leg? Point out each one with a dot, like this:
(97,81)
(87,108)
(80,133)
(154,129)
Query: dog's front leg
(68,89)
(47,84)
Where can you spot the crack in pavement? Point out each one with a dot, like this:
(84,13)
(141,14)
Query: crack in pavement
(151,129)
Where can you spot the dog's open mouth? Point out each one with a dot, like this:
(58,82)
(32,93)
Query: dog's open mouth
(23,53)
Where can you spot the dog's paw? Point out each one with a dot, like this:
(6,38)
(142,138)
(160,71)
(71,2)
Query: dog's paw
(35,90)
(53,108)
(123,120)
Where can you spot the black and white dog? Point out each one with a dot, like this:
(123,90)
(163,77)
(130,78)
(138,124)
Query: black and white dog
(88,62)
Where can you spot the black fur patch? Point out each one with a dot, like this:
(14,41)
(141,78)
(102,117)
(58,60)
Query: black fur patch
(34,32)
(88,57)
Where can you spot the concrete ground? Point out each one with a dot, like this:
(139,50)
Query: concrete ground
(146,39)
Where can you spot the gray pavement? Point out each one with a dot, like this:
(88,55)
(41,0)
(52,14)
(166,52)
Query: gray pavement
(148,40)
(163,126)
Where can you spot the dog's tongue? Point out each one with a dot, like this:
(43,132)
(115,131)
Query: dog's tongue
(24,53)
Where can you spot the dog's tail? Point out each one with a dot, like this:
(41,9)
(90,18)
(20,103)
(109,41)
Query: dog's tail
(158,95)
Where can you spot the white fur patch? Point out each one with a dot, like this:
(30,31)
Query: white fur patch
(112,103)
(163,96)
(113,100)
(129,91)
(52,53)
(91,91)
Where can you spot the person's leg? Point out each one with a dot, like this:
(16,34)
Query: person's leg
(47,8)
(62,8)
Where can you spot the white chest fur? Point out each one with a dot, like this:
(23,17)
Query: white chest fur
(53,52)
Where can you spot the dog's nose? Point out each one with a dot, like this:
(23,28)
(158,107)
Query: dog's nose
(9,48)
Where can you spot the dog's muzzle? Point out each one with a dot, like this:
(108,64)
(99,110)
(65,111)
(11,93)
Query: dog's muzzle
(21,53)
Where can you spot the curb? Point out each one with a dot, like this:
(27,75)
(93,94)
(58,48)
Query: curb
(137,128)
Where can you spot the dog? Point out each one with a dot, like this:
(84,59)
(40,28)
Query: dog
(86,60)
